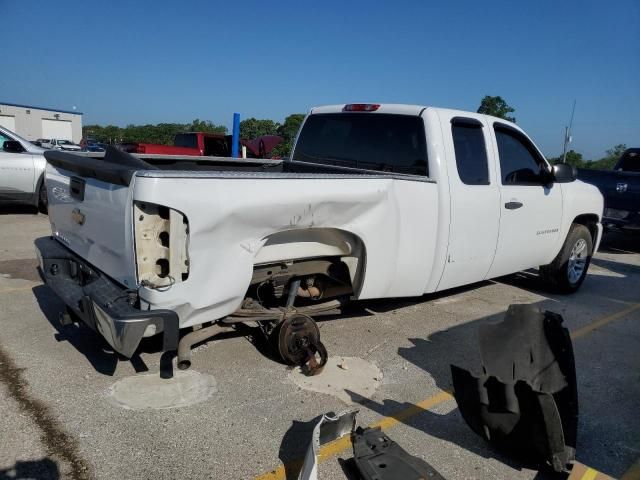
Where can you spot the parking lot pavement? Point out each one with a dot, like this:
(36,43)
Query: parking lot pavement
(57,417)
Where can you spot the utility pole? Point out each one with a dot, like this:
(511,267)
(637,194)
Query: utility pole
(567,134)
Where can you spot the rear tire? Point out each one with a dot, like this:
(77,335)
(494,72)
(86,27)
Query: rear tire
(43,201)
(569,269)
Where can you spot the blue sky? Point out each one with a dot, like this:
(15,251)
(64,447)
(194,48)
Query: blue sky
(168,61)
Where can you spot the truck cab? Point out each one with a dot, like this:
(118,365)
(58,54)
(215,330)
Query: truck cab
(497,194)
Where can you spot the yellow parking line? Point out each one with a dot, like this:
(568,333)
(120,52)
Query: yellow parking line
(330,449)
(582,331)
(333,448)
(589,474)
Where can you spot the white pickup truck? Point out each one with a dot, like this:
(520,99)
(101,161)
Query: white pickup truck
(59,144)
(375,201)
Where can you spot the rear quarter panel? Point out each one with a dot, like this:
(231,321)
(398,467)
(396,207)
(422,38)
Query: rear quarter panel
(230,218)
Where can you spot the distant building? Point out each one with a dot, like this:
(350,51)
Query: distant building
(41,122)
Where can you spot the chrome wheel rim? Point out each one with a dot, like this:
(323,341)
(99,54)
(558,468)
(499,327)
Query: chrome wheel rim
(577,261)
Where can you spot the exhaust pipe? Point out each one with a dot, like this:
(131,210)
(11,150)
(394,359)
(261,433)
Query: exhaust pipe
(190,339)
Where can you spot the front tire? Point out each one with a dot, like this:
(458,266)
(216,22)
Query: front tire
(569,269)
(43,201)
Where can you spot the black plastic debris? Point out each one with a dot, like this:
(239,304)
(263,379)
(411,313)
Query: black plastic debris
(525,400)
(377,457)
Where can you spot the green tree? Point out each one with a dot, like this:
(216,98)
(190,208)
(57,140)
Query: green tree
(610,159)
(288,130)
(161,133)
(252,128)
(497,107)
(573,158)
(206,126)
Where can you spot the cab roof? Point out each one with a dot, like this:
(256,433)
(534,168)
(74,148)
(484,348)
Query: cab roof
(404,109)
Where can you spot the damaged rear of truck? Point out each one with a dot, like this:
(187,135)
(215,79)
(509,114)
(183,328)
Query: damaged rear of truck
(140,247)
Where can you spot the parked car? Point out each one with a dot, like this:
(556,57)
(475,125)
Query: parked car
(22,168)
(376,201)
(192,144)
(129,147)
(58,144)
(621,190)
(94,147)
(211,144)
(37,143)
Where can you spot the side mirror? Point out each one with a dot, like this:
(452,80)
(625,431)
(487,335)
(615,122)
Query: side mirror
(564,173)
(12,146)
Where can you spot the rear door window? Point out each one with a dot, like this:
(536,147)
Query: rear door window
(630,161)
(372,141)
(470,150)
(188,140)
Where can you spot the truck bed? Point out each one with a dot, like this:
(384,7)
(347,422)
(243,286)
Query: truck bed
(239,214)
(118,167)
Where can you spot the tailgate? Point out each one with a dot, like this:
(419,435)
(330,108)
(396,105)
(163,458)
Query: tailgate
(90,212)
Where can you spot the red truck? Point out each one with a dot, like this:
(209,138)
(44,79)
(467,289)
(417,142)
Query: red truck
(211,144)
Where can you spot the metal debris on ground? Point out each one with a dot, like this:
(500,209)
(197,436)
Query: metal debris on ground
(330,427)
(377,457)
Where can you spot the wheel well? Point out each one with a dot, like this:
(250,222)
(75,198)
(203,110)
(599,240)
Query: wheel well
(589,220)
(311,243)
(36,194)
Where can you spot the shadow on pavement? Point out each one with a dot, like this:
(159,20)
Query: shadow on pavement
(18,209)
(44,469)
(294,444)
(611,287)
(96,349)
(458,345)
(24,268)
(620,242)
(81,337)
(617,267)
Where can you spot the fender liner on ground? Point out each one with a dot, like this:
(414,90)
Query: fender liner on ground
(525,400)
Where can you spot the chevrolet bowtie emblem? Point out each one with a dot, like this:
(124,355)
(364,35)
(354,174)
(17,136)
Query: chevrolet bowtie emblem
(77,216)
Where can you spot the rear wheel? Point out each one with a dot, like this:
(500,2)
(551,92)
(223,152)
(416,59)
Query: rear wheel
(569,269)
(43,201)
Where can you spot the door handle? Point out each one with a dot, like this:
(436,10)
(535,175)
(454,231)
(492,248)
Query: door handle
(512,205)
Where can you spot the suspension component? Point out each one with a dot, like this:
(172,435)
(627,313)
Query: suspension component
(298,343)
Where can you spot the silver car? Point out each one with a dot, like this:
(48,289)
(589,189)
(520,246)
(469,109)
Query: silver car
(22,168)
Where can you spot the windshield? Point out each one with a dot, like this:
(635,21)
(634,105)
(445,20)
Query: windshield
(630,161)
(64,142)
(372,141)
